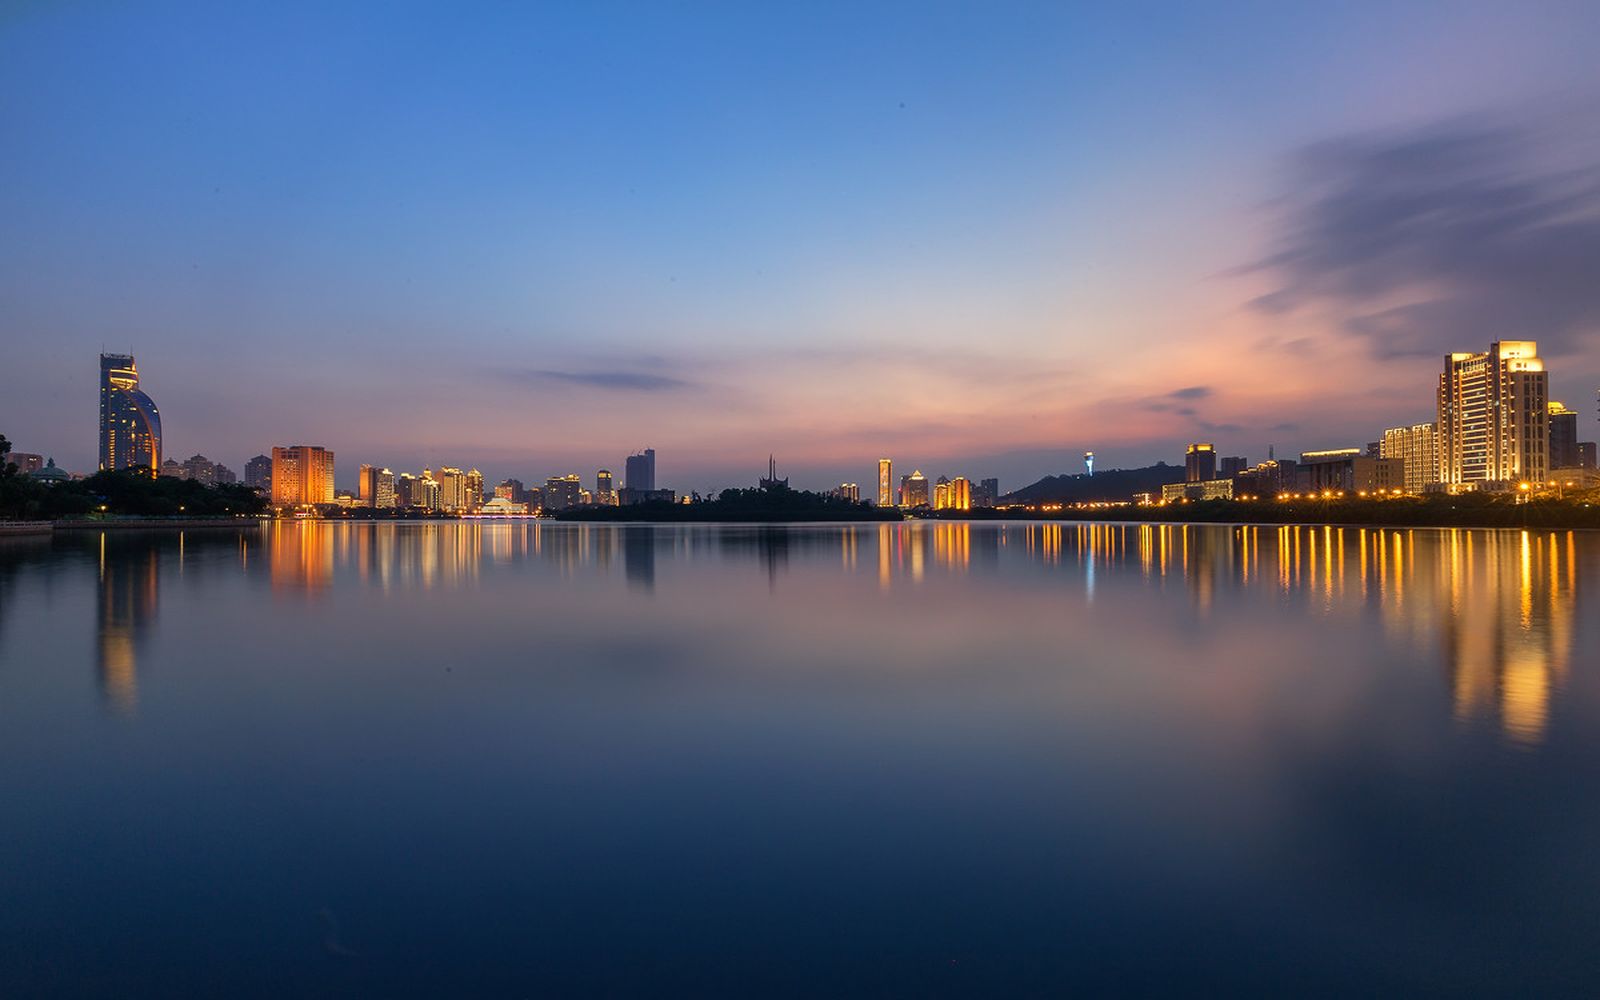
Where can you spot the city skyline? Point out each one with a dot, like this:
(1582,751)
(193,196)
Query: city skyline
(1164,248)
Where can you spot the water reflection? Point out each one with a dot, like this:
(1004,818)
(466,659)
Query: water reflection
(1496,609)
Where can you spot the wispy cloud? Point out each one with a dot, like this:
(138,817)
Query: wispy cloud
(1475,229)
(622,381)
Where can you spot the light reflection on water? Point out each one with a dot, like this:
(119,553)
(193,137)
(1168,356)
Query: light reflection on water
(1225,701)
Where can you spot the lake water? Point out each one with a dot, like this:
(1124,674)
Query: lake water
(509,759)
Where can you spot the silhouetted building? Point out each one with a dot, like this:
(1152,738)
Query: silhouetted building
(302,474)
(991,492)
(640,471)
(172,469)
(1563,437)
(201,469)
(1586,456)
(772,482)
(1494,424)
(1232,465)
(258,474)
(1200,463)
(561,492)
(26,461)
(627,496)
(222,475)
(130,426)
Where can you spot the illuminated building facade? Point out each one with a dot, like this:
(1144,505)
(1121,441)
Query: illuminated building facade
(1494,416)
(201,469)
(1200,463)
(302,474)
(848,491)
(130,425)
(460,492)
(941,493)
(914,490)
(1418,447)
(1350,469)
(885,483)
(952,494)
(640,471)
(605,491)
(375,488)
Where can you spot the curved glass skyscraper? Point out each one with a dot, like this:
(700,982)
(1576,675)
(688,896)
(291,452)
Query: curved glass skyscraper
(130,425)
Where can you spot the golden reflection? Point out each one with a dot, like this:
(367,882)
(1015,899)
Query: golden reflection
(129,585)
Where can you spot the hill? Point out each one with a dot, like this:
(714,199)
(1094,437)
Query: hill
(1111,484)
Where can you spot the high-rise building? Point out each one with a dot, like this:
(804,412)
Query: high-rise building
(958,494)
(639,471)
(223,475)
(941,493)
(885,483)
(130,426)
(258,474)
(605,491)
(848,491)
(991,489)
(1586,455)
(1200,463)
(375,487)
(561,492)
(1494,424)
(1418,445)
(513,490)
(420,491)
(914,490)
(172,469)
(460,492)
(201,469)
(1563,437)
(1232,465)
(302,474)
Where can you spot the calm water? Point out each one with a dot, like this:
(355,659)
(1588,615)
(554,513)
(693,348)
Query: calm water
(562,760)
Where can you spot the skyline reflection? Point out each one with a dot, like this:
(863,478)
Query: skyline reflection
(1496,609)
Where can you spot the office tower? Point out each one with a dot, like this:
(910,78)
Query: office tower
(991,489)
(1494,423)
(172,469)
(1232,465)
(460,491)
(958,494)
(130,426)
(1586,455)
(561,492)
(1563,437)
(201,469)
(26,462)
(640,470)
(605,492)
(848,491)
(513,490)
(376,487)
(258,474)
(885,483)
(1418,445)
(223,475)
(941,493)
(1200,464)
(914,490)
(425,491)
(302,474)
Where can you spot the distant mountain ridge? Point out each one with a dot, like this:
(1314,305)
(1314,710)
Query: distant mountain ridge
(1110,484)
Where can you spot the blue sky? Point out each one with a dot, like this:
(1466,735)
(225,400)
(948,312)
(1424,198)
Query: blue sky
(977,238)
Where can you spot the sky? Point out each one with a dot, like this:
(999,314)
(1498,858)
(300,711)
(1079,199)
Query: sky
(979,239)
